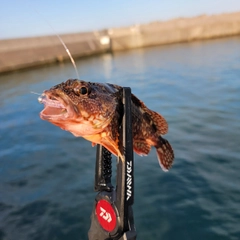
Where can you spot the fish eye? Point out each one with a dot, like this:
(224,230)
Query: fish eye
(83,90)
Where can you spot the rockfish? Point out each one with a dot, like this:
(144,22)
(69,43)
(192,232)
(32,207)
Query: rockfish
(94,111)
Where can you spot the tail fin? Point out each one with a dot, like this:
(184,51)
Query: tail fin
(165,154)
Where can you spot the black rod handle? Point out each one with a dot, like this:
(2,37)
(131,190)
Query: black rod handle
(125,166)
(112,215)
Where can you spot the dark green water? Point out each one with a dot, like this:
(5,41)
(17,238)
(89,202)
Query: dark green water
(47,175)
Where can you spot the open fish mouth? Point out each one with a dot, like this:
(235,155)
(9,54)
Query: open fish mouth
(53,107)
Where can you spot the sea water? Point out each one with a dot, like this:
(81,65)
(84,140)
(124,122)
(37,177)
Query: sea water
(47,174)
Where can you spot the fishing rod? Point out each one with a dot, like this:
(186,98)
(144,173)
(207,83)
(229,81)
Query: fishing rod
(112,214)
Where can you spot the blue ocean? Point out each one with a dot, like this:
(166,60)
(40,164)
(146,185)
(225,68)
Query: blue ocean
(47,174)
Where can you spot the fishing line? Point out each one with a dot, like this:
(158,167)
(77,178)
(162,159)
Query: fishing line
(60,39)
(36,93)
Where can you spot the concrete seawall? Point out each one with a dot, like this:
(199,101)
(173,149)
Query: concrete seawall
(23,53)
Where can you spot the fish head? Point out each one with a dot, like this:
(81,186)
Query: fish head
(83,108)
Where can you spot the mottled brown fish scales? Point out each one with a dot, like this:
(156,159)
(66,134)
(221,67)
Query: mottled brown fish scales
(94,111)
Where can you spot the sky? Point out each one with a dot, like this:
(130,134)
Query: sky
(26,18)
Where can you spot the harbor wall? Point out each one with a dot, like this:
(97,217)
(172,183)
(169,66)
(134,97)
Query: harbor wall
(23,53)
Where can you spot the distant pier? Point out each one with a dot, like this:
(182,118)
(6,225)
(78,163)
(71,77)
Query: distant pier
(16,54)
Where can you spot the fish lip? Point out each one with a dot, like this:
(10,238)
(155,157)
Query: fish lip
(53,102)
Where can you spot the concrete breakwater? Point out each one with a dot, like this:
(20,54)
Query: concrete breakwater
(23,53)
